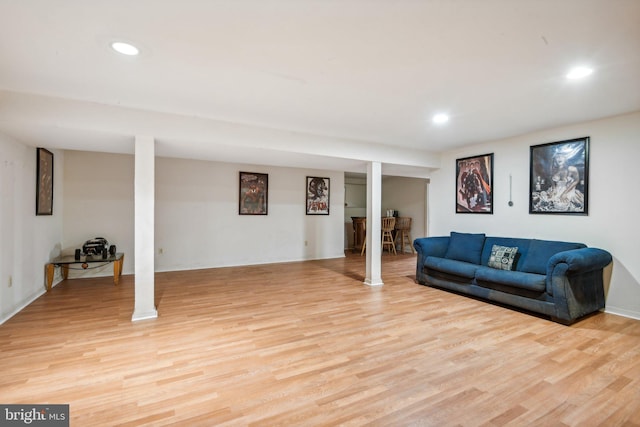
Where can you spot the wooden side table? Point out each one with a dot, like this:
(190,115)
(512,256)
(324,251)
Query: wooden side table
(66,260)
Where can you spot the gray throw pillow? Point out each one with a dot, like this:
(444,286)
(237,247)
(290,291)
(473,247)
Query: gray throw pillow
(502,257)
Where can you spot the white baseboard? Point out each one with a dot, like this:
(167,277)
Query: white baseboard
(22,306)
(137,316)
(622,312)
(29,301)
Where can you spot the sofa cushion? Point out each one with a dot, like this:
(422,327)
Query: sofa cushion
(502,257)
(516,279)
(451,266)
(540,251)
(465,247)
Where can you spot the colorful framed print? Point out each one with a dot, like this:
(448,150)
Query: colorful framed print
(44,182)
(559,178)
(474,184)
(254,193)
(317,196)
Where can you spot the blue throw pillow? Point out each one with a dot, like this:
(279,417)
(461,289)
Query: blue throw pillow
(502,257)
(465,247)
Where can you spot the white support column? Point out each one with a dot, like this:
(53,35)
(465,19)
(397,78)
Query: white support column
(144,190)
(373,275)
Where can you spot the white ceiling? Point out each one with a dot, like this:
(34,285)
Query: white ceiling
(346,71)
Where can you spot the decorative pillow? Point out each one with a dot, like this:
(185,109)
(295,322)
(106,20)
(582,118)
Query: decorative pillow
(465,247)
(502,257)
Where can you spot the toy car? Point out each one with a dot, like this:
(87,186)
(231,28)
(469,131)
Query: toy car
(96,246)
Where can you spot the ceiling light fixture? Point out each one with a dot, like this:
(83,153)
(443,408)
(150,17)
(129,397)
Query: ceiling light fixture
(440,118)
(125,48)
(579,73)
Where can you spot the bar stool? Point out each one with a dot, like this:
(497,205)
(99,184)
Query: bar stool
(388,224)
(403,231)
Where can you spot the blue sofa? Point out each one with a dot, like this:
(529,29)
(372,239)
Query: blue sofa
(562,280)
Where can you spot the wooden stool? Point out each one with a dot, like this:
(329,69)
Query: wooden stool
(403,231)
(364,242)
(388,224)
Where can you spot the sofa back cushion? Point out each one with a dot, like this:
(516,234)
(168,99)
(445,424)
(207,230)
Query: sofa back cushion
(539,253)
(465,247)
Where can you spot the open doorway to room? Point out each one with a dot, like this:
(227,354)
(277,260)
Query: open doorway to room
(407,197)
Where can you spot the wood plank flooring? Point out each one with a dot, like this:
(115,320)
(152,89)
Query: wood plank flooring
(307,344)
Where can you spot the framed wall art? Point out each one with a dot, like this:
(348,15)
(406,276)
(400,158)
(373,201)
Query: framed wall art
(559,177)
(254,193)
(474,184)
(44,182)
(317,195)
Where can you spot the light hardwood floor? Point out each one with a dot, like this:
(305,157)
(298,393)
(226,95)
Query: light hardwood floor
(307,344)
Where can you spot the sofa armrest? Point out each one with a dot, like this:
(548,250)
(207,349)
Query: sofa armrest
(580,260)
(429,246)
(575,279)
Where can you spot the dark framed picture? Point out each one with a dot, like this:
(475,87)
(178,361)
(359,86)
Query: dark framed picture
(559,178)
(317,195)
(474,184)
(44,182)
(254,193)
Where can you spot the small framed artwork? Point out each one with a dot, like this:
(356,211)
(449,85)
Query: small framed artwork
(474,184)
(44,182)
(254,193)
(559,178)
(317,195)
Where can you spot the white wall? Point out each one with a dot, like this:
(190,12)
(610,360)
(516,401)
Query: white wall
(355,198)
(98,202)
(197,223)
(408,197)
(613,201)
(355,205)
(27,241)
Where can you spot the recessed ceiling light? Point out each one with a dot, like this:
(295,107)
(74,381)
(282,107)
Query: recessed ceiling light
(125,48)
(579,73)
(440,118)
